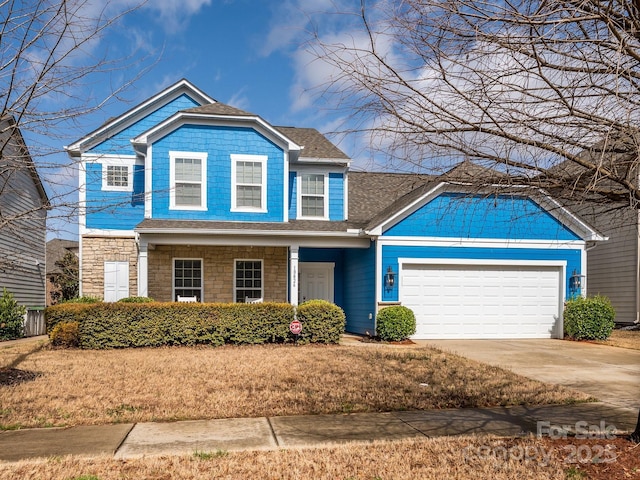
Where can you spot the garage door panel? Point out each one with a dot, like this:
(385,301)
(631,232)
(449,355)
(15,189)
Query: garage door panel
(482,301)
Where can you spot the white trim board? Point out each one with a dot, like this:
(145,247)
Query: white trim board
(480,243)
(481,261)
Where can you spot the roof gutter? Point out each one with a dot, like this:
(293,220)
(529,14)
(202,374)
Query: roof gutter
(350,233)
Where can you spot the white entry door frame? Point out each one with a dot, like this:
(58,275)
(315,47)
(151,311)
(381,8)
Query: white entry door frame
(316,281)
(116,281)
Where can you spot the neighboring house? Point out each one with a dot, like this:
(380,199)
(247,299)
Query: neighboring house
(183,196)
(23,216)
(57,249)
(614,267)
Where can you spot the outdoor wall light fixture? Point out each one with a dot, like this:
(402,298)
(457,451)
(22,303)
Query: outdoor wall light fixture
(389,278)
(576,282)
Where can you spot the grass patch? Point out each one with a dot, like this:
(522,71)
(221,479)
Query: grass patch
(210,455)
(78,387)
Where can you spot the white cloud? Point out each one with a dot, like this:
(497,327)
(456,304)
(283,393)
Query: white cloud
(291,22)
(174,14)
(239,100)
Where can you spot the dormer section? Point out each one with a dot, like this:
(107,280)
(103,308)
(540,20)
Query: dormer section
(318,182)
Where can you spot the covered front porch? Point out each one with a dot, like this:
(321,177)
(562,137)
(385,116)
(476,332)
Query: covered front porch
(239,268)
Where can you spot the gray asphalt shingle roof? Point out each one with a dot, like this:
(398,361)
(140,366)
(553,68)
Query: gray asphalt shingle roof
(315,144)
(219,109)
(57,248)
(371,193)
(320,226)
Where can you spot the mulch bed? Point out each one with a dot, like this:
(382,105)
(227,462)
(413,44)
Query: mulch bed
(369,339)
(14,376)
(602,459)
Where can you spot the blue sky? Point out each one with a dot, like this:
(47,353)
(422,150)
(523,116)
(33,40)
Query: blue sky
(251,54)
(247,53)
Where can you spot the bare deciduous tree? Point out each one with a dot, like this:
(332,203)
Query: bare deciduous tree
(50,63)
(544,91)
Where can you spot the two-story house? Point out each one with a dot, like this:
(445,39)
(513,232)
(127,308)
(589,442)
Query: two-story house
(183,196)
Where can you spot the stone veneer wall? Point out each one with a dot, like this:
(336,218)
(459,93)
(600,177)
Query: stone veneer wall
(218,264)
(96,251)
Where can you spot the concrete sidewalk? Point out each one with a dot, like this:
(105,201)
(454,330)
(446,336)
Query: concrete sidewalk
(185,438)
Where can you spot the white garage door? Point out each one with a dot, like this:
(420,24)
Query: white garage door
(482,301)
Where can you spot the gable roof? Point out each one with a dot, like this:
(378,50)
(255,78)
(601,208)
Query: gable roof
(119,123)
(458,178)
(315,147)
(186,116)
(9,129)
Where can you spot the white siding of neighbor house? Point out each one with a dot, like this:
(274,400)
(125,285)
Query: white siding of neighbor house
(22,239)
(612,266)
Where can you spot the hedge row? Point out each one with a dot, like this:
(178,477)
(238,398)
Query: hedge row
(123,325)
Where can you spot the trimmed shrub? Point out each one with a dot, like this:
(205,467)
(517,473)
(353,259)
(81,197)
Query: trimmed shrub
(151,324)
(11,317)
(65,334)
(395,323)
(322,322)
(136,300)
(255,323)
(123,325)
(589,318)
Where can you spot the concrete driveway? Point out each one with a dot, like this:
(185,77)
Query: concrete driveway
(610,374)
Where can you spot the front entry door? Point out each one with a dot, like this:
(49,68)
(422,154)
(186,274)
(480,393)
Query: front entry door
(316,281)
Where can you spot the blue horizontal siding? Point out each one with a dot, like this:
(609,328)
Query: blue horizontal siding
(219,143)
(120,143)
(113,210)
(336,196)
(390,255)
(293,195)
(360,291)
(474,216)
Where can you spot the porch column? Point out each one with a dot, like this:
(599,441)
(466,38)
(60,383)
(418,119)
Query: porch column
(143,264)
(293,274)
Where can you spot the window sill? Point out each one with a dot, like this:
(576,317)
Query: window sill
(248,210)
(186,208)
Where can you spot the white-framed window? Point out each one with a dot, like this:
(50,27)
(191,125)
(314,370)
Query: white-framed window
(117,174)
(313,195)
(247,280)
(188,177)
(187,278)
(249,183)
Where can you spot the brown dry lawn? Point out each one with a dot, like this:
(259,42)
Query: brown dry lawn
(478,457)
(81,387)
(624,339)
